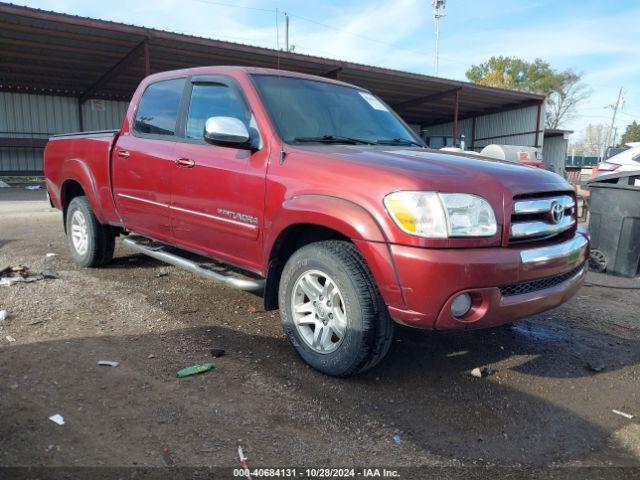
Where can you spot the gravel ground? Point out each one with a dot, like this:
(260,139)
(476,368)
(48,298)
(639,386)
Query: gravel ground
(543,406)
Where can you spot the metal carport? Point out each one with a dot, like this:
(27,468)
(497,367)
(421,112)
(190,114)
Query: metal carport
(52,64)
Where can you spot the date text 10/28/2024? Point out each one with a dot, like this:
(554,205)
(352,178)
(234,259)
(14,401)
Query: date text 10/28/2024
(314,473)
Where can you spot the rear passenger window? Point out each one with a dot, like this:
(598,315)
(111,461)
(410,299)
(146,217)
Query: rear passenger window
(213,100)
(158,108)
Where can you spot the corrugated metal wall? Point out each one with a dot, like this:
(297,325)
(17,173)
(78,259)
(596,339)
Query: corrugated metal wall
(555,154)
(509,123)
(108,119)
(40,116)
(32,116)
(446,130)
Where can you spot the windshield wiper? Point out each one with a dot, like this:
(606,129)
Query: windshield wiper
(332,139)
(397,141)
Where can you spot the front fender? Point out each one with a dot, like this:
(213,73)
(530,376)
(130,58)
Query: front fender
(348,219)
(344,216)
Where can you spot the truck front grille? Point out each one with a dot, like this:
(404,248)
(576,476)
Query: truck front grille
(542,217)
(540,284)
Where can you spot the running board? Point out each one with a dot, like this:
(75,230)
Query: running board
(156,251)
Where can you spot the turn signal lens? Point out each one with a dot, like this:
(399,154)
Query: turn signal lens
(417,213)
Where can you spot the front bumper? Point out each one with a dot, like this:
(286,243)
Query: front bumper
(430,279)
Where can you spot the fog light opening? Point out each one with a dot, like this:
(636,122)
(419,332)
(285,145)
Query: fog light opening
(461,305)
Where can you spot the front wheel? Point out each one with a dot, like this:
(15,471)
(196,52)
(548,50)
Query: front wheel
(331,309)
(91,244)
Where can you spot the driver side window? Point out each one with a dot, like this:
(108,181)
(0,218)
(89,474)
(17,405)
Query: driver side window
(213,100)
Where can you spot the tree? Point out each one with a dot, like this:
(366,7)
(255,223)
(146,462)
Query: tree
(562,89)
(564,97)
(592,140)
(515,74)
(631,134)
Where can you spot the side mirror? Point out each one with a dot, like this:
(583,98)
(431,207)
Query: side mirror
(226,132)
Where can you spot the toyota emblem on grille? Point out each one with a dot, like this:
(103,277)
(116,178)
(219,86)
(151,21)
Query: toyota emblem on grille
(557,212)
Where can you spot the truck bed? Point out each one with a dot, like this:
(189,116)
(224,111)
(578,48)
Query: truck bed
(85,158)
(89,134)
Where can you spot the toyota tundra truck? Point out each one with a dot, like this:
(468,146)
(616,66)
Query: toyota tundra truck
(315,194)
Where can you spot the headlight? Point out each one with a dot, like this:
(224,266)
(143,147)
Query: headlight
(441,215)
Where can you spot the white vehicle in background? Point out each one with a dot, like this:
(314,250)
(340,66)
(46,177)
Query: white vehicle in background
(626,161)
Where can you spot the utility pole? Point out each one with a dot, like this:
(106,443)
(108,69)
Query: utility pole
(438,13)
(613,120)
(286,32)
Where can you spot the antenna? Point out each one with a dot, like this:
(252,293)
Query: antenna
(438,13)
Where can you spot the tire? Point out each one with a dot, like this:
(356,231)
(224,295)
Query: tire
(360,330)
(91,244)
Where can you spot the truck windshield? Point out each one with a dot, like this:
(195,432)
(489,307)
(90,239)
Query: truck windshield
(309,111)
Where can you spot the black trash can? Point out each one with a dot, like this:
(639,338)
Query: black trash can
(614,226)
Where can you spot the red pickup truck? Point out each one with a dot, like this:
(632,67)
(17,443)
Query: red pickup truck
(316,194)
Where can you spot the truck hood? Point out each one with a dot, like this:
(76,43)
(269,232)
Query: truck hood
(445,171)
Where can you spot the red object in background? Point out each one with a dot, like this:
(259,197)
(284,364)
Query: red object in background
(525,159)
(235,205)
(604,167)
(536,164)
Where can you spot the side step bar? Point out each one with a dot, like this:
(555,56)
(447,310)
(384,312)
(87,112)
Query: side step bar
(251,285)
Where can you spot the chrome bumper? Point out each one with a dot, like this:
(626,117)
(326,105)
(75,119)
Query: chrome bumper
(573,251)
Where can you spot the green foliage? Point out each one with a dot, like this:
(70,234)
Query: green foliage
(631,134)
(562,89)
(516,74)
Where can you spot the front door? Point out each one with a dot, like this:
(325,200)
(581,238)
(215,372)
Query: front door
(144,160)
(217,199)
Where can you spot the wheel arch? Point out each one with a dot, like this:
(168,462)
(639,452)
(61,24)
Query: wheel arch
(70,189)
(310,218)
(288,241)
(78,180)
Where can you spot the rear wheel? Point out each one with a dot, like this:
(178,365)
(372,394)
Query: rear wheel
(331,309)
(91,244)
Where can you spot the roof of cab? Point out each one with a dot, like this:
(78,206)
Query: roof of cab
(226,69)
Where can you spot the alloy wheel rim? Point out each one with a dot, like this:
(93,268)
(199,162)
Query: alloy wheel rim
(79,232)
(319,311)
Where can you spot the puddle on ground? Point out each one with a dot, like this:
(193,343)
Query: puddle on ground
(541,332)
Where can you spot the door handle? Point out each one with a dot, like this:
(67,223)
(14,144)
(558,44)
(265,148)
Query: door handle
(185,163)
(124,153)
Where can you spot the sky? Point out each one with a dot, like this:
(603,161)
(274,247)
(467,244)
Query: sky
(598,39)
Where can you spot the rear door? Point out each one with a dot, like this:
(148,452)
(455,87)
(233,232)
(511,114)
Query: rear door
(217,200)
(143,161)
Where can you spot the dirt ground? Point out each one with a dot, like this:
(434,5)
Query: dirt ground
(543,406)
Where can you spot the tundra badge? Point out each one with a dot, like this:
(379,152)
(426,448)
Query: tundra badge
(240,217)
